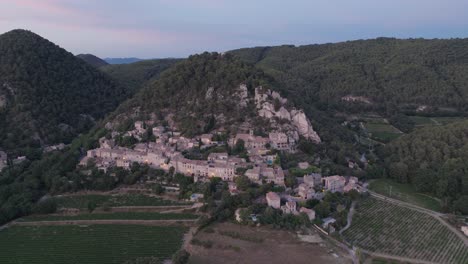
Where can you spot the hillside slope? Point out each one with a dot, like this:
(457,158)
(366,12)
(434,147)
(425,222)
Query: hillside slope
(134,75)
(390,73)
(47,95)
(93,60)
(214,91)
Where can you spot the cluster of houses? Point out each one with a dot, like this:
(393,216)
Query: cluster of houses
(166,152)
(313,186)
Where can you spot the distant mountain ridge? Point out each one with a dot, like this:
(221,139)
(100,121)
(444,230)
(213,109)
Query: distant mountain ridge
(93,60)
(122,60)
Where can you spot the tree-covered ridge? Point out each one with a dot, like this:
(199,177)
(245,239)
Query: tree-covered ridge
(134,75)
(93,60)
(433,159)
(197,91)
(51,95)
(388,71)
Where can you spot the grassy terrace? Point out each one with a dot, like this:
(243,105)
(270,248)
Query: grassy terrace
(81,201)
(404,192)
(110,216)
(103,244)
(386,228)
(380,130)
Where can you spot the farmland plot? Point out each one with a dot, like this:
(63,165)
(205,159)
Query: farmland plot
(103,244)
(81,201)
(387,228)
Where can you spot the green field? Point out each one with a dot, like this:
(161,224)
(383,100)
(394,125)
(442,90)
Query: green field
(422,121)
(81,201)
(432,121)
(110,216)
(381,131)
(386,228)
(103,244)
(404,192)
(448,120)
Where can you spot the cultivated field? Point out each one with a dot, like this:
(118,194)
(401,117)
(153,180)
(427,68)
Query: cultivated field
(379,129)
(229,243)
(82,201)
(103,244)
(387,228)
(110,216)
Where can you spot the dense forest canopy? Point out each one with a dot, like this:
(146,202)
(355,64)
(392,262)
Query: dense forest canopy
(93,60)
(391,72)
(134,75)
(433,159)
(48,94)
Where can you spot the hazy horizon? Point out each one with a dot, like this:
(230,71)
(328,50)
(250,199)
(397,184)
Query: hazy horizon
(160,29)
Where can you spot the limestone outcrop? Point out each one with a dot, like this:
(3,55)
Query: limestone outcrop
(271,105)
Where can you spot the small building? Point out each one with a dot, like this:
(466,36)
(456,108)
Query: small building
(334,183)
(253,174)
(218,157)
(290,207)
(196,197)
(313,180)
(305,191)
(273,200)
(309,212)
(140,126)
(303,165)
(464,229)
(158,131)
(206,139)
(327,221)
(279,141)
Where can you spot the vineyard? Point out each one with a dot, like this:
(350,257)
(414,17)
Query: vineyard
(104,244)
(387,228)
(110,216)
(82,201)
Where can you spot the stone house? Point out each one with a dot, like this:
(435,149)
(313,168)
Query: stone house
(280,141)
(253,174)
(309,212)
(313,180)
(290,207)
(306,191)
(218,157)
(334,183)
(273,200)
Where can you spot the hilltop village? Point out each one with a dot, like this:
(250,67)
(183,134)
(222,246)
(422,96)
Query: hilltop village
(253,156)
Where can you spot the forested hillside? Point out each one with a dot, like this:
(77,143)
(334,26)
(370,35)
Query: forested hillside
(134,75)
(183,92)
(47,95)
(93,60)
(434,160)
(391,73)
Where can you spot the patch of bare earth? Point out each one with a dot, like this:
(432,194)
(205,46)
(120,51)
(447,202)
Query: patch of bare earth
(259,245)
